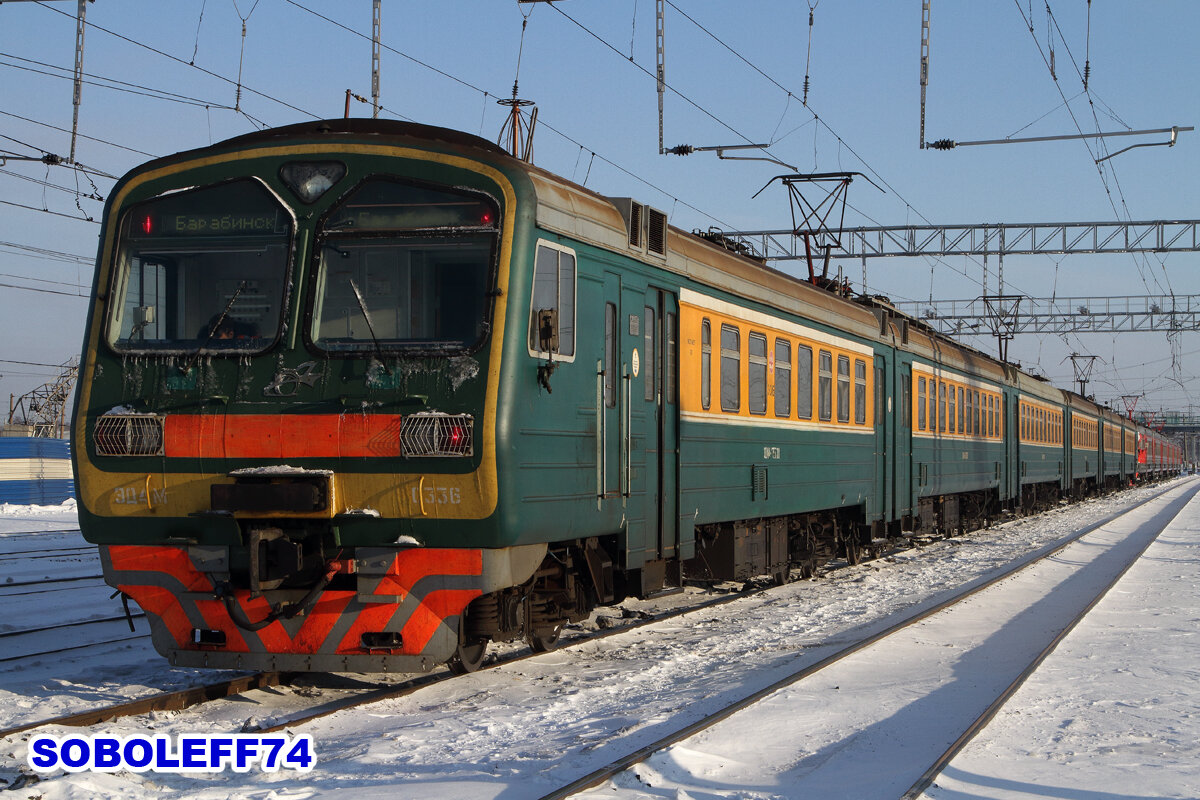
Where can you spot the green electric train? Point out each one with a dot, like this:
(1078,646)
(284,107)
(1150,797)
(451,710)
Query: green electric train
(362,395)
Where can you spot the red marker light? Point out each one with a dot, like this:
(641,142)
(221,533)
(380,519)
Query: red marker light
(147,225)
(487,218)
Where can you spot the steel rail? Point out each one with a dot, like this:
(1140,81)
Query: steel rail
(165,701)
(970,589)
(410,686)
(76,624)
(77,647)
(43,581)
(14,534)
(935,769)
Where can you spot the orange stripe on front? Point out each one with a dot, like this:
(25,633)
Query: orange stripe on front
(432,612)
(173,561)
(282,436)
(412,565)
(165,605)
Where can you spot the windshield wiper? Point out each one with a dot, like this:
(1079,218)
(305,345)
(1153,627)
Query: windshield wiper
(216,326)
(363,307)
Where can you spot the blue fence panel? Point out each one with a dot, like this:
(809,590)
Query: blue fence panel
(35,471)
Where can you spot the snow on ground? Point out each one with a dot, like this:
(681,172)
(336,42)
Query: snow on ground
(519,730)
(18,519)
(1114,712)
(901,702)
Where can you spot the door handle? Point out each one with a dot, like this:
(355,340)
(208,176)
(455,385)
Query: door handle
(600,437)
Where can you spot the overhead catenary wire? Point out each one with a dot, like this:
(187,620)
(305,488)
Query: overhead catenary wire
(113,84)
(197,67)
(817,121)
(48,211)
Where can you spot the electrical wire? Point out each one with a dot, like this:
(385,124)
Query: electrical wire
(103,82)
(48,211)
(178,60)
(85,295)
(50,185)
(81,136)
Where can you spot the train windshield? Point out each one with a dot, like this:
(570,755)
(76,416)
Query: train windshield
(405,267)
(202,269)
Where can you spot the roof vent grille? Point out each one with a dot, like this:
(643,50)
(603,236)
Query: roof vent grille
(656,233)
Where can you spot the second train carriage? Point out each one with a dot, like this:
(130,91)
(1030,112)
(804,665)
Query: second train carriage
(366,395)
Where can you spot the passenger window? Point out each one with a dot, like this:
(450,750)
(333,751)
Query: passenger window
(961,412)
(804,382)
(860,392)
(950,425)
(783,378)
(941,407)
(758,373)
(552,311)
(933,404)
(921,404)
(825,386)
(843,389)
(731,361)
(705,364)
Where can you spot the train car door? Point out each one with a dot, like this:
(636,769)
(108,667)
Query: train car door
(610,407)
(657,392)
(883,454)
(1012,438)
(902,465)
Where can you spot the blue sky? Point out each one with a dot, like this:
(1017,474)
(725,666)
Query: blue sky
(586,64)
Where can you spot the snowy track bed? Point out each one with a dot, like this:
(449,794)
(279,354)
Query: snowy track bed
(526,728)
(871,724)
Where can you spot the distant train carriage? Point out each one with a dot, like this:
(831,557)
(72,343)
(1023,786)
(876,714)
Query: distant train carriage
(1113,471)
(1083,443)
(1040,410)
(959,455)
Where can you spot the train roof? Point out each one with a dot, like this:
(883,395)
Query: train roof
(583,214)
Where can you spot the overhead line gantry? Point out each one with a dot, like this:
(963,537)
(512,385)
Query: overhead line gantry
(999,239)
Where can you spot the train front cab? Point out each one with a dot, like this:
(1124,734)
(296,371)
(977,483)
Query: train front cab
(287,426)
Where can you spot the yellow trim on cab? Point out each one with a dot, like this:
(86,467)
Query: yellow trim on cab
(477,493)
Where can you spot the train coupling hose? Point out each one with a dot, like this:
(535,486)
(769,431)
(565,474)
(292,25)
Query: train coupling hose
(238,614)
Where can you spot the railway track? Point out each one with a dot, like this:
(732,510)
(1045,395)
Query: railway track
(1144,536)
(185,698)
(162,701)
(17,534)
(24,644)
(53,552)
(49,585)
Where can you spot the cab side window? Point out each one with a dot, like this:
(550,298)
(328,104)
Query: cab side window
(552,310)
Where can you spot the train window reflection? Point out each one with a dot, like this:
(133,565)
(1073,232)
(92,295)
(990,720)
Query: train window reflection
(404,267)
(731,359)
(201,270)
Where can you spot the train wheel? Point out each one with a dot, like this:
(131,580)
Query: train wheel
(544,640)
(469,654)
